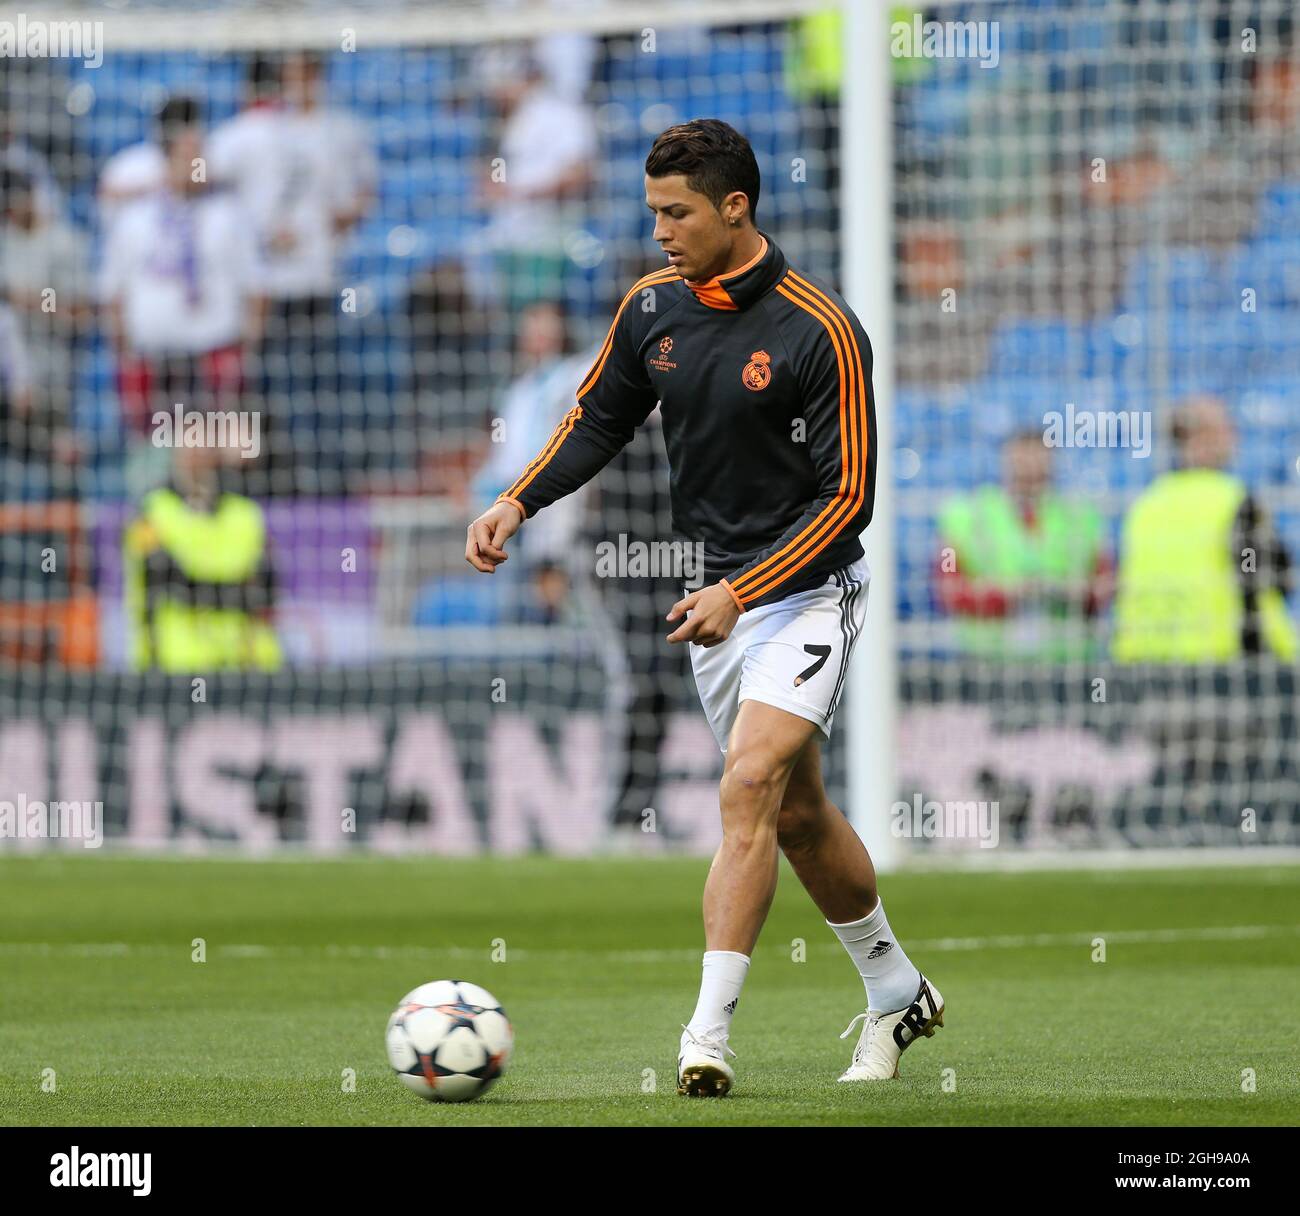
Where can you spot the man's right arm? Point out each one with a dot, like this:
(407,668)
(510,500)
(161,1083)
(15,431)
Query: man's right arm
(615,398)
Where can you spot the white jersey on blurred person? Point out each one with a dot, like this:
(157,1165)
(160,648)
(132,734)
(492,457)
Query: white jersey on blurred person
(129,174)
(15,366)
(292,171)
(547,137)
(183,270)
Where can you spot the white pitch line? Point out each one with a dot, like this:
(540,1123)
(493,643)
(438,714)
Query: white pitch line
(1132,936)
(916,946)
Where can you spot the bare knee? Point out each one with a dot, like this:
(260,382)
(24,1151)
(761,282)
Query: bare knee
(750,796)
(751,781)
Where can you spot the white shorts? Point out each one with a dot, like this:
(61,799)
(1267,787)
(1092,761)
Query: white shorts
(793,654)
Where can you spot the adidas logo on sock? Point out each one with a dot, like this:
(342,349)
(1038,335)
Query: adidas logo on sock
(730,1006)
(879,949)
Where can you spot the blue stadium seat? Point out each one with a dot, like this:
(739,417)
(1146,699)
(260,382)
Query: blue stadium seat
(459,600)
(1279,209)
(1268,402)
(1177,277)
(1273,349)
(1051,347)
(1269,265)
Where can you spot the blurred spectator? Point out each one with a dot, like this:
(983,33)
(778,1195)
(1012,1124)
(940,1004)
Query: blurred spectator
(180,283)
(341,176)
(141,169)
(198,578)
(17,423)
(1203,575)
(547,377)
(306,174)
(457,347)
(566,58)
(1024,570)
(1275,101)
(630,499)
(44,274)
(539,181)
(16,153)
(536,585)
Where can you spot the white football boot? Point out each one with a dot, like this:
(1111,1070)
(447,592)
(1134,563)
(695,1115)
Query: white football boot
(702,1068)
(885,1036)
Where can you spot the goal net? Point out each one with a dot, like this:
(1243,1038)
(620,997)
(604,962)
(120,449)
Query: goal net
(292,292)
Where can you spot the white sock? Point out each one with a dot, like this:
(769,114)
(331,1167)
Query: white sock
(888,974)
(724,976)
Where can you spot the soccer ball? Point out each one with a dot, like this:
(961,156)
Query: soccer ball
(449,1040)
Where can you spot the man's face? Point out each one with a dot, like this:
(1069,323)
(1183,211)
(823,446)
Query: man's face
(541,333)
(688,227)
(184,149)
(1027,467)
(20,210)
(1210,438)
(300,81)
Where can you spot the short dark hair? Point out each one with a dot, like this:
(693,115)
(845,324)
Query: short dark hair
(714,158)
(177,113)
(263,75)
(15,183)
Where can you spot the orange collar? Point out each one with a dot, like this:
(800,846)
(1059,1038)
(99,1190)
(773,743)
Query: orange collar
(711,291)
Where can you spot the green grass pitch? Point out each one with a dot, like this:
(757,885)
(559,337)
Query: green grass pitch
(305,959)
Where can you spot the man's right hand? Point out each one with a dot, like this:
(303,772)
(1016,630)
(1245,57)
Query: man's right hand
(488,534)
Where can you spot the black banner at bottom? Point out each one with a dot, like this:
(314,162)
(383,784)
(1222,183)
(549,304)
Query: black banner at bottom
(924,1164)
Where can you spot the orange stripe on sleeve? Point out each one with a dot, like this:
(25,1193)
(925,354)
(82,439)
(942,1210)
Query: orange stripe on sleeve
(650,280)
(539,461)
(776,569)
(801,549)
(570,420)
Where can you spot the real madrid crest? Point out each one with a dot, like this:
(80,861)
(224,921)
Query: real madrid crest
(758,371)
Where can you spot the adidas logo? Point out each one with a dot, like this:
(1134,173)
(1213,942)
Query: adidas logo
(730,1006)
(879,949)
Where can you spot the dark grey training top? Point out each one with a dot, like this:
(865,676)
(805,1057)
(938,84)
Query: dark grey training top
(763,376)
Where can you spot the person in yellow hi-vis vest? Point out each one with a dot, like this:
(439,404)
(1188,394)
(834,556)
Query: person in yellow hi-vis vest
(1203,576)
(198,581)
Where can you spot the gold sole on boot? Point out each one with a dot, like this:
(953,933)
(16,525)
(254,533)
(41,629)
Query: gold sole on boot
(928,1028)
(703,1081)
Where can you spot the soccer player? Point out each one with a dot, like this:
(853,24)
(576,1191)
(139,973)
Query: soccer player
(762,375)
